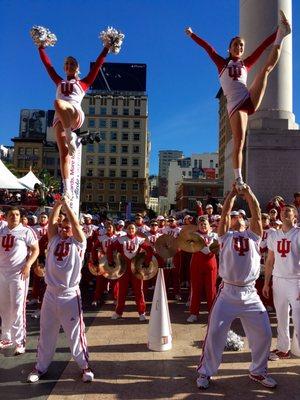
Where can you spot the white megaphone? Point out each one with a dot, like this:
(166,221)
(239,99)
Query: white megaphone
(159,329)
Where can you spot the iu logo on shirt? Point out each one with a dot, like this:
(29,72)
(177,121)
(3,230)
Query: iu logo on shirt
(130,246)
(234,72)
(284,247)
(62,250)
(8,242)
(66,88)
(241,245)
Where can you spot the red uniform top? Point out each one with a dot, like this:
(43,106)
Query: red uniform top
(129,247)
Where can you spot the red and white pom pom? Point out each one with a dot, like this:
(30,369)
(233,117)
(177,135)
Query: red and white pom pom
(42,37)
(112,38)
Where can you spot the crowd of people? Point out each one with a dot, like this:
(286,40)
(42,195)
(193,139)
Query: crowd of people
(64,253)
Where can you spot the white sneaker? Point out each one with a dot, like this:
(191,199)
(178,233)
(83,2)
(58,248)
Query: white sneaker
(4,344)
(116,316)
(34,376)
(240,184)
(20,349)
(87,375)
(265,380)
(284,24)
(192,318)
(32,302)
(94,303)
(203,382)
(142,317)
(36,314)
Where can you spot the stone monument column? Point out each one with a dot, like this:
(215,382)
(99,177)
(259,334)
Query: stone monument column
(272,153)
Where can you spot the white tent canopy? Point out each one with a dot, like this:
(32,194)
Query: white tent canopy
(29,180)
(8,180)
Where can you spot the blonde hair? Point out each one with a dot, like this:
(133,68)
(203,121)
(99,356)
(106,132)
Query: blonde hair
(75,61)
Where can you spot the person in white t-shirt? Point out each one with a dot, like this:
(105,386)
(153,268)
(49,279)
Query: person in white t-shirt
(283,263)
(18,251)
(62,300)
(237,297)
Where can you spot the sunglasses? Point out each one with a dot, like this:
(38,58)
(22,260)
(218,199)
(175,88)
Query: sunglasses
(153,224)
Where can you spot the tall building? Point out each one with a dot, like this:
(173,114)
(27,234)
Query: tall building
(165,156)
(115,170)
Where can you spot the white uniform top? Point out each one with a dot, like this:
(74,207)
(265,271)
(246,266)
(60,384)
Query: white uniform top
(3,223)
(208,237)
(130,246)
(88,229)
(286,248)
(105,241)
(70,91)
(14,245)
(239,257)
(171,231)
(142,228)
(152,237)
(120,233)
(233,79)
(64,262)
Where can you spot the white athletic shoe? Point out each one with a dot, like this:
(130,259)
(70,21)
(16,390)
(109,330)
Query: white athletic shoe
(94,303)
(4,344)
(20,349)
(203,382)
(142,317)
(34,376)
(284,24)
(87,375)
(265,380)
(116,316)
(36,314)
(192,318)
(240,184)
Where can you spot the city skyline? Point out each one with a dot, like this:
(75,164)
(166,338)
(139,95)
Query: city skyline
(181,81)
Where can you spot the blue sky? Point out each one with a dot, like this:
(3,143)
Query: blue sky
(181,80)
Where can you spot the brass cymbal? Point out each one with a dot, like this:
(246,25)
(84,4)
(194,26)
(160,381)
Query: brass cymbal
(189,240)
(39,270)
(115,271)
(166,246)
(94,269)
(142,272)
(214,247)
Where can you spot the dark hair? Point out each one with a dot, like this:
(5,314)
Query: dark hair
(13,208)
(230,43)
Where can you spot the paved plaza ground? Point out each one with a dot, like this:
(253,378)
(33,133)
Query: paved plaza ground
(125,369)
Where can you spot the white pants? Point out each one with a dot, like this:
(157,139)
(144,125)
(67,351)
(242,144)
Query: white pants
(61,308)
(285,293)
(13,293)
(236,302)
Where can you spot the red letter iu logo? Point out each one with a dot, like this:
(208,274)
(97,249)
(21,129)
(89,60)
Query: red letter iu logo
(62,250)
(241,245)
(284,247)
(130,246)
(8,242)
(234,72)
(66,88)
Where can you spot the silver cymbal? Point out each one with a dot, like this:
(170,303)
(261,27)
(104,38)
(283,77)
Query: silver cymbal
(142,272)
(166,246)
(115,271)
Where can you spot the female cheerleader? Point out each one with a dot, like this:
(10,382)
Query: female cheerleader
(233,71)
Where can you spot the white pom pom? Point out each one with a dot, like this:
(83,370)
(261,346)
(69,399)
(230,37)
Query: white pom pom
(112,38)
(42,37)
(233,342)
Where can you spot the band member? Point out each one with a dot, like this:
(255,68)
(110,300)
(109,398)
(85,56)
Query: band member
(233,71)
(18,251)
(129,246)
(119,231)
(237,297)
(140,225)
(203,272)
(283,263)
(62,300)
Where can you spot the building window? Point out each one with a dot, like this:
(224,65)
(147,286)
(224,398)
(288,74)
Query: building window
(101,161)
(88,197)
(137,112)
(100,185)
(183,173)
(134,199)
(112,173)
(113,161)
(112,186)
(89,172)
(123,199)
(92,110)
(91,123)
(211,163)
(111,199)
(136,149)
(102,135)
(90,148)
(195,163)
(135,161)
(123,186)
(36,152)
(135,186)
(89,185)
(114,123)
(113,148)
(125,136)
(136,137)
(102,123)
(101,173)
(50,161)
(124,149)
(123,173)
(115,101)
(124,161)
(125,111)
(125,123)
(28,151)
(101,148)
(100,198)
(21,150)
(135,174)
(92,101)
(137,102)
(126,102)
(113,136)
(103,111)
(136,124)
(114,111)
(103,101)
(90,160)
